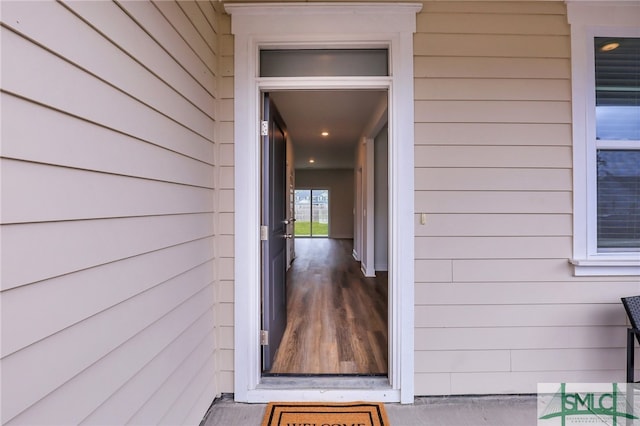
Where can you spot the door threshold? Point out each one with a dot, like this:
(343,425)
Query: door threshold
(324,382)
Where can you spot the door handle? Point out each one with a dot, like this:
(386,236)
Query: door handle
(288,236)
(288,221)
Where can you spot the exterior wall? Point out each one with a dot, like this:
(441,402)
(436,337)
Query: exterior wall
(116,212)
(339,182)
(118,224)
(497,307)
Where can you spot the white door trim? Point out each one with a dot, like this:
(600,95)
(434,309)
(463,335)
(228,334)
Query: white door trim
(323,25)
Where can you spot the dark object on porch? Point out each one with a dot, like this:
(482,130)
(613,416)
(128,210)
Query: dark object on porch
(632,306)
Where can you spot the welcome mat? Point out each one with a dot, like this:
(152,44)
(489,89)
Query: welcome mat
(325,414)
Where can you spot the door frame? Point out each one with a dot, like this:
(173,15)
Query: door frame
(323,25)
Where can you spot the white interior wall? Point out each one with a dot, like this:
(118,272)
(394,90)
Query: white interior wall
(339,182)
(358,216)
(381,201)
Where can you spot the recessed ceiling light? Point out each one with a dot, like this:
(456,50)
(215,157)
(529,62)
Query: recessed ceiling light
(609,46)
(325,133)
(311,160)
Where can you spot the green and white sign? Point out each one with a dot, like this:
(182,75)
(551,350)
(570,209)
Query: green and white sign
(611,404)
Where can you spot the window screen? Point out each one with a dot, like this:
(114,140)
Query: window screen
(324,62)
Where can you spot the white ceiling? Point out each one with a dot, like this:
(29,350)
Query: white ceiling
(345,114)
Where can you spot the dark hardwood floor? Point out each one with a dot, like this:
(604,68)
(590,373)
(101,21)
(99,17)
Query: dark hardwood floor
(336,318)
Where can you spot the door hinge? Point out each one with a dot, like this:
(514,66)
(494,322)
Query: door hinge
(264,128)
(264,338)
(264,233)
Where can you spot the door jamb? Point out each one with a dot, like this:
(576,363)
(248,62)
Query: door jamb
(367,215)
(342,25)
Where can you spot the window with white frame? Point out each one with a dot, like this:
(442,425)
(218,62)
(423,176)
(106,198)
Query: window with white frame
(606,136)
(617,143)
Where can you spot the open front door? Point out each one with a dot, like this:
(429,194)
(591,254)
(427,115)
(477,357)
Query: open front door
(274,232)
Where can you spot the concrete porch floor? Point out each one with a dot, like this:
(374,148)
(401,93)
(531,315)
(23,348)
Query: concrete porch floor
(504,410)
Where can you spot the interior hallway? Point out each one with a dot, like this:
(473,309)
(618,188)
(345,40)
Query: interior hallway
(337,318)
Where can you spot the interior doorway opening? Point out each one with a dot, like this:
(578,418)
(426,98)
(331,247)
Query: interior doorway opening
(311,213)
(337,316)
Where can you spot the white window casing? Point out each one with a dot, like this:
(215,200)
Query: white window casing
(590,19)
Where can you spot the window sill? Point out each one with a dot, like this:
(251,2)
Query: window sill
(605,267)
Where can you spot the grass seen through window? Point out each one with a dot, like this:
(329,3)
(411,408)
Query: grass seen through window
(319,229)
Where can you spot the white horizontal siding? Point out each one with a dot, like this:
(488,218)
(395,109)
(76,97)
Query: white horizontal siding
(109,212)
(61,302)
(491,67)
(119,408)
(117,325)
(497,309)
(492,134)
(542,157)
(525,382)
(69,246)
(443,292)
(473,111)
(492,88)
(498,21)
(466,383)
(511,8)
(492,45)
(70,37)
(79,93)
(457,225)
(498,202)
(188,30)
(486,179)
(71,194)
(511,338)
(526,247)
(523,315)
(165,48)
(82,145)
(127,342)
(568,359)
(462,361)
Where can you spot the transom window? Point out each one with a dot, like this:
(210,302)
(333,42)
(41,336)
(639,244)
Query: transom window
(324,62)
